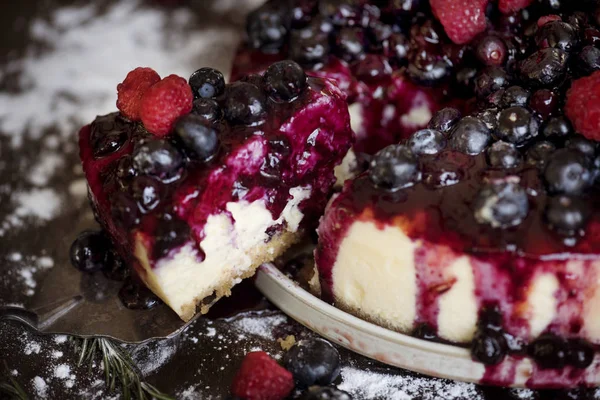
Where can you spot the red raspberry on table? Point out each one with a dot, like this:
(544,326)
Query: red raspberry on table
(132,89)
(509,6)
(164,103)
(462,19)
(262,378)
(583,105)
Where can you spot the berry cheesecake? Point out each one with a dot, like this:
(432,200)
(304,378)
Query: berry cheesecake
(483,229)
(199,183)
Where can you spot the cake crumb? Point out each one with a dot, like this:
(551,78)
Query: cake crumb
(287,343)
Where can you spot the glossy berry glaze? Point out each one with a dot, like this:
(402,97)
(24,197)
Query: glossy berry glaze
(513,188)
(295,143)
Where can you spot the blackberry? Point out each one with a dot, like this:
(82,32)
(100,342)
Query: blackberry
(470,135)
(207,83)
(501,204)
(557,34)
(394,167)
(544,67)
(284,80)
(516,125)
(108,134)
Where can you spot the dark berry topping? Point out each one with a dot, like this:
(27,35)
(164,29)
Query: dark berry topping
(170,234)
(124,170)
(285,80)
(427,141)
(125,210)
(568,171)
(491,50)
(309,46)
(446,169)
(539,153)
(490,80)
(159,159)
(557,127)
(207,83)
(549,352)
(588,60)
(445,119)
(502,204)
(244,103)
(91,251)
(567,214)
(470,136)
(516,125)
(136,296)
(147,193)
(489,347)
(515,96)
(108,134)
(207,109)
(583,145)
(557,34)
(544,67)
(313,362)
(268,26)
(326,393)
(201,139)
(581,353)
(350,43)
(394,167)
(504,155)
(117,270)
(372,69)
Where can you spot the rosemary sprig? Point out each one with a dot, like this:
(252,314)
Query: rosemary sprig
(119,368)
(12,387)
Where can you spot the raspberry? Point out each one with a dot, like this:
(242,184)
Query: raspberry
(509,6)
(462,19)
(164,103)
(131,90)
(583,105)
(548,18)
(262,378)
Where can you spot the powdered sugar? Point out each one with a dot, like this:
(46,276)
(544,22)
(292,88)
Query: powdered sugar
(261,327)
(41,387)
(32,348)
(34,206)
(26,269)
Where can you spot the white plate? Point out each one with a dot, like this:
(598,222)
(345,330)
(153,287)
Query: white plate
(393,348)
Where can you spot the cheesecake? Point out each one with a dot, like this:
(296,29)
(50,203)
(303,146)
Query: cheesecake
(199,182)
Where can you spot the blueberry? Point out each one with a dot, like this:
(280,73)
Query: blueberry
(313,362)
(444,120)
(427,141)
(489,347)
(516,125)
(427,69)
(309,46)
(568,171)
(504,155)
(396,48)
(557,127)
(340,12)
(470,135)
(501,204)
(207,109)
(171,233)
(124,210)
(549,352)
(350,43)
(147,193)
(372,69)
(557,34)
(108,134)
(491,50)
(207,83)
(124,170)
(302,12)
(268,26)
(201,139)
(326,393)
(583,145)
(91,251)
(490,80)
(515,96)
(581,353)
(489,117)
(244,103)
(591,36)
(284,80)
(539,153)
(136,296)
(567,214)
(394,167)
(588,60)
(544,67)
(378,33)
(159,159)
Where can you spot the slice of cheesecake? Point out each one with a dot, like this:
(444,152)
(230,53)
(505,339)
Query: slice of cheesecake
(196,201)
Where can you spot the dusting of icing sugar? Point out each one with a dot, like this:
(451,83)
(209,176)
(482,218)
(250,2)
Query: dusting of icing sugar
(32,348)
(31,206)
(261,327)
(41,173)
(41,387)
(59,339)
(370,385)
(69,94)
(26,268)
